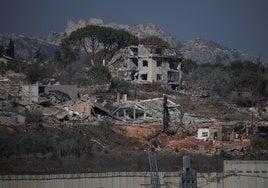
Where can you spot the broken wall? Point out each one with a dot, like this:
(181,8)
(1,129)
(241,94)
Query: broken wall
(71,90)
(29,93)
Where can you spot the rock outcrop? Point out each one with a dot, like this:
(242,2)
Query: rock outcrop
(139,30)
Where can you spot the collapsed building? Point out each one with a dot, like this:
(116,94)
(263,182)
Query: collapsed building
(149,110)
(34,93)
(147,63)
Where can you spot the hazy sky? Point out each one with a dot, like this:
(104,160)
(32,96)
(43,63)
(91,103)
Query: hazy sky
(239,24)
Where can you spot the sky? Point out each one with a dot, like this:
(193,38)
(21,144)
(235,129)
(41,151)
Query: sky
(238,24)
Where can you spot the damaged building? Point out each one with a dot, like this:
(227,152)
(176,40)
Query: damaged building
(149,110)
(147,63)
(212,133)
(34,93)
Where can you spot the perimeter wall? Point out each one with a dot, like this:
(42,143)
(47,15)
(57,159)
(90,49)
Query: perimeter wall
(237,174)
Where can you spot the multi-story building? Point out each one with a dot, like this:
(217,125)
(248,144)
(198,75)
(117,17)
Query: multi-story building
(147,63)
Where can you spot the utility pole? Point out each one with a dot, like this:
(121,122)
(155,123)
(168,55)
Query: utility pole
(188,177)
(155,181)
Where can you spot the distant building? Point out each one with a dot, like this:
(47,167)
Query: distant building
(146,63)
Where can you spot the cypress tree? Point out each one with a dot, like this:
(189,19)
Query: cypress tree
(10,51)
(166,116)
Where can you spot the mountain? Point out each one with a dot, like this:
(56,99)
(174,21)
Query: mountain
(139,30)
(199,50)
(26,46)
(203,51)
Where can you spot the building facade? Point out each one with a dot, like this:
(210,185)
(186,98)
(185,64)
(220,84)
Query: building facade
(146,63)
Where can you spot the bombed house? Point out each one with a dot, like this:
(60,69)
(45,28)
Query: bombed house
(34,93)
(149,110)
(147,63)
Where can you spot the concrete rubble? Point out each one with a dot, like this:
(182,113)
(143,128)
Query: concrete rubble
(59,105)
(149,111)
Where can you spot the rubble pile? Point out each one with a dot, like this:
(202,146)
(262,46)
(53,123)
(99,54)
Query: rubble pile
(136,121)
(146,111)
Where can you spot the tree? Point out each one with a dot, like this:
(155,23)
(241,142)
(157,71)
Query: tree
(107,38)
(119,85)
(10,51)
(248,76)
(123,39)
(40,57)
(66,53)
(87,38)
(98,75)
(39,71)
(188,65)
(166,117)
(2,51)
(92,37)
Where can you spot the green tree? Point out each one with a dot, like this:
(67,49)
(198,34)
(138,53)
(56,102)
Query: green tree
(40,57)
(106,37)
(39,71)
(188,65)
(98,75)
(10,51)
(248,76)
(91,38)
(2,51)
(166,117)
(87,38)
(124,38)
(119,85)
(66,53)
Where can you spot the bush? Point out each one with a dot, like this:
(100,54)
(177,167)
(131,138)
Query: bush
(119,85)
(98,75)
(258,144)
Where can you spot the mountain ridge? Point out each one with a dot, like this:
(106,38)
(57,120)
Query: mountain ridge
(199,50)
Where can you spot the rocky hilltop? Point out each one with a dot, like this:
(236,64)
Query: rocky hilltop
(199,50)
(139,30)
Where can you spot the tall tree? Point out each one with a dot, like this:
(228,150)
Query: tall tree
(2,50)
(66,53)
(166,117)
(92,38)
(124,38)
(87,38)
(188,65)
(10,51)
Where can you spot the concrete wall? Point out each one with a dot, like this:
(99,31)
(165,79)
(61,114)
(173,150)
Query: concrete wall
(104,180)
(71,90)
(232,177)
(200,133)
(29,93)
(245,174)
